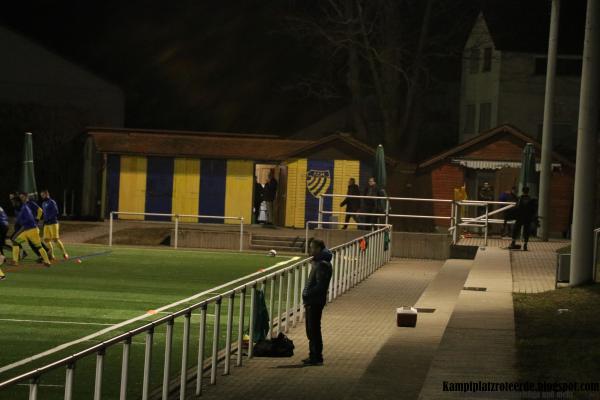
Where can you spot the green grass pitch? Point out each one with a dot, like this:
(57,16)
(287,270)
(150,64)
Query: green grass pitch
(42,308)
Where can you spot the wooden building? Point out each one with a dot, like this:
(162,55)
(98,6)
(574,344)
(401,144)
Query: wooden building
(205,173)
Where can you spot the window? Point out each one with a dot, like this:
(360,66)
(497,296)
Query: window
(470,119)
(485,116)
(487,59)
(474,60)
(564,66)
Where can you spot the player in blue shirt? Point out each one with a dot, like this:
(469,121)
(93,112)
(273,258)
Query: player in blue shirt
(37,213)
(28,232)
(51,225)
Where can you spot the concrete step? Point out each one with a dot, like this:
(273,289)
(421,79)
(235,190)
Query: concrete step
(275,242)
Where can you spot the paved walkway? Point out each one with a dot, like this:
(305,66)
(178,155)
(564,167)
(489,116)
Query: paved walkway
(361,350)
(533,271)
(479,341)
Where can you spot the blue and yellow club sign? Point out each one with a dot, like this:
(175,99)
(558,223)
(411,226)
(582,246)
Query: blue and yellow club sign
(318,182)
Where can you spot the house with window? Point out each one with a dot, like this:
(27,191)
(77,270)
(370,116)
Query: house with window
(504,75)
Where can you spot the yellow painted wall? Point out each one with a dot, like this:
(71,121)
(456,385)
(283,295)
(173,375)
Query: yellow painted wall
(239,185)
(132,187)
(186,187)
(296,194)
(343,170)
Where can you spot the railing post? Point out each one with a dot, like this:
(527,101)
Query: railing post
(288,297)
(485,240)
(296,293)
(456,222)
(242,234)
(201,346)
(34,384)
(240,343)
(167,360)
(279,301)
(125,368)
(251,322)
(387,210)
(332,291)
(176,240)
(271,306)
(69,380)
(228,333)
(110,228)
(215,342)
(147,364)
(99,373)
(320,218)
(184,355)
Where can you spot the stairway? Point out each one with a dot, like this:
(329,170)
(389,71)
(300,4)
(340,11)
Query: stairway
(286,244)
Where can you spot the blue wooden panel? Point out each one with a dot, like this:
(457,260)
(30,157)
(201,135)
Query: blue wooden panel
(213,174)
(113,178)
(159,187)
(319,180)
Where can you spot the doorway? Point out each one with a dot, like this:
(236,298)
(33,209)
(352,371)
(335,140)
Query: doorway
(261,172)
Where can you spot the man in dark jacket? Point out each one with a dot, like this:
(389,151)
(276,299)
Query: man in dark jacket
(352,203)
(269,195)
(258,199)
(525,213)
(374,206)
(314,297)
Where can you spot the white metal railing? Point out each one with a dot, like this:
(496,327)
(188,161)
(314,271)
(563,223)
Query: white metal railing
(176,228)
(455,217)
(318,223)
(351,262)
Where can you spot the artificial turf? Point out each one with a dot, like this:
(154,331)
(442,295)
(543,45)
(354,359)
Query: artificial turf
(70,300)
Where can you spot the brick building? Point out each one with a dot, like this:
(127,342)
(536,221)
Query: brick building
(494,156)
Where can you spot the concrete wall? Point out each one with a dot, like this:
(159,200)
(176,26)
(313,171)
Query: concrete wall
(405,244)
(223,240)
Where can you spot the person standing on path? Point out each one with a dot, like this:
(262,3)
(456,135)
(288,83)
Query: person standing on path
(314,297)
(269,194)
(352,203)
(525,212)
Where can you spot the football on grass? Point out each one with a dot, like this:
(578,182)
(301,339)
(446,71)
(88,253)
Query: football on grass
(272,253)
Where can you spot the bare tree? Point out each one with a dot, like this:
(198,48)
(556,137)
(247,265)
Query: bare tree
(384,49)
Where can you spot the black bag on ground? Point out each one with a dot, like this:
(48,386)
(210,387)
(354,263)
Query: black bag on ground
(281,346)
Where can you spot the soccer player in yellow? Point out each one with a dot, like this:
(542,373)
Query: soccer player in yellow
(51,226)
(28,232)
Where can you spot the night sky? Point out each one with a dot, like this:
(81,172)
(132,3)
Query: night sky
(230,65)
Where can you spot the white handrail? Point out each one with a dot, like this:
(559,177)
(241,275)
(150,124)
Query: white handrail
(176,216)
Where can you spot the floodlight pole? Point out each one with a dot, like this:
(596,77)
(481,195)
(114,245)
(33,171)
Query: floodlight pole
(585,168)
(548,128)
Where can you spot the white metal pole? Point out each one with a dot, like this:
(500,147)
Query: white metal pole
(167,360)
(288,298)
(98,377)
(147,365)
(176,241)
(548,127)
(201,345)
(125,369)
(184,355)
(228,334)
(320,218)
(66,204)
(251,321)
(110,229)
(485,240)
(241,327)
(69,380)
(242,234)
(585,169)
(215,342)
(33,388)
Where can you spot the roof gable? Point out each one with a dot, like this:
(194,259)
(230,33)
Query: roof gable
(483,146)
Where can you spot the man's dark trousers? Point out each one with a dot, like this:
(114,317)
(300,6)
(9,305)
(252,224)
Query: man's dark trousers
(312,316)
(525,225)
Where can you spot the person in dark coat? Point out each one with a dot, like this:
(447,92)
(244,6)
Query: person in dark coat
(525,215)
(258,198)
(375,206)
(314,297)
(269,194)
(3,231)
(352,203)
